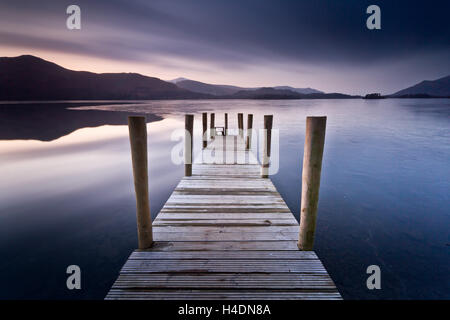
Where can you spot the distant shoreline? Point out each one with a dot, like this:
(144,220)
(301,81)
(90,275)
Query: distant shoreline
(118,101)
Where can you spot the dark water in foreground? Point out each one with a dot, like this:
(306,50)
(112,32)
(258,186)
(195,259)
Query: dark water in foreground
(66,193)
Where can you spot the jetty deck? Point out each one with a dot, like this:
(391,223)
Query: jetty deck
(224,233)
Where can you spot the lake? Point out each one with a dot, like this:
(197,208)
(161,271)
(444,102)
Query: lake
(67,197)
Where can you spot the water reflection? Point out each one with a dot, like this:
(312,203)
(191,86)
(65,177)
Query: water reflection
(47,122)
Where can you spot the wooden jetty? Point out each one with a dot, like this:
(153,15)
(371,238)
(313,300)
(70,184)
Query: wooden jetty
(224,233)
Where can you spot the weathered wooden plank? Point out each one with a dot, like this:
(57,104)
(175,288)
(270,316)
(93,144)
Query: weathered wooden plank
(226,167)
(196,182)
(227,174)
(225,229)
(217,198)
(225,281)
(229,255)
(226,222)
(223,266)
(224,236)
(232,202)
(228,159)
(223,192)
(219,187)
(223,294)
(224,245)
(230,176)
(245,169)
(223,208)
(218,177)
(191,215)
(276,207)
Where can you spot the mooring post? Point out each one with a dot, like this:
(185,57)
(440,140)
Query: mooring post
(249,131)
(138,142)
(205,127)
(241,124)
(312,166)
(226,124)
(268,119)
(212,126)
(188,139)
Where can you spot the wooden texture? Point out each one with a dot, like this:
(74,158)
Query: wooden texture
(188,144)
(226,124)
(267,145)
(224,233)
(241,124)
(312,166)
(248,140)
(212,125)
(138,142)
(204,129)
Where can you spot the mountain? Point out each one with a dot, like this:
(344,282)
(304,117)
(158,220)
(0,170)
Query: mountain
(272,93)
(433,88)
(205,88)
(299,90)
(31,78)
(223,90)
(266,93)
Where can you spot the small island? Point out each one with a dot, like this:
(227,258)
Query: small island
(373,96)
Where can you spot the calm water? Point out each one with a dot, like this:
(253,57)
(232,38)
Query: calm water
(66,193)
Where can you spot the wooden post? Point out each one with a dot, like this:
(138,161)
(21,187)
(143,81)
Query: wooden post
(268,119)
(138,142)
(249,131)
(226,124)
(312,166)
(188,139)
(205,128)
(212,126)
(241,124)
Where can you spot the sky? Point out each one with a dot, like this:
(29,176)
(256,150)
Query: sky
(323,44)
